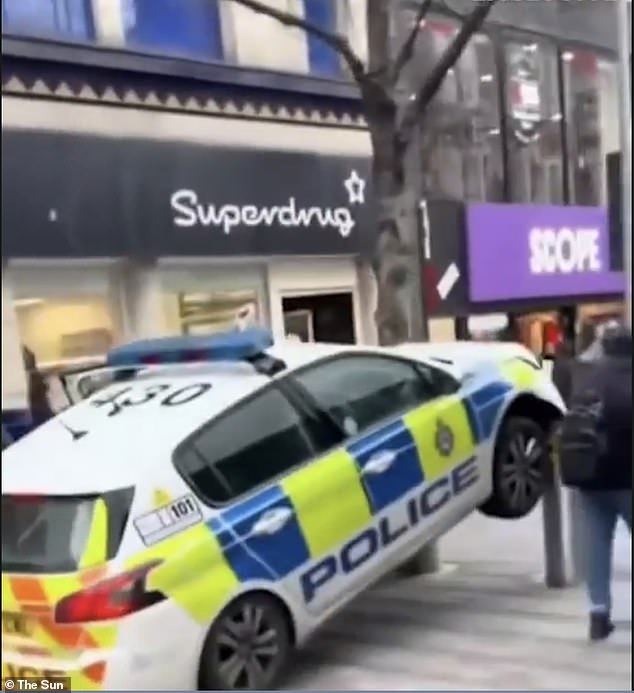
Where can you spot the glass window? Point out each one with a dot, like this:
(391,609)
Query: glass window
(592,122)
(61,334)
(322,59)
(460,135)
(206,312)
(252,444)
(534,123)
(65,332)
(187,28)
(360,391)
(66,18)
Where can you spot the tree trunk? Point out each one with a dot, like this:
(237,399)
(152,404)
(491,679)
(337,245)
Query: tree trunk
(400,312)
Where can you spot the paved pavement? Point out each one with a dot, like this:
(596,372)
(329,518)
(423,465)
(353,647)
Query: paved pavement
(486,622)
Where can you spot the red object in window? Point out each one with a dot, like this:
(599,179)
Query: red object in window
(552,337)
(586,62)
(430,288)
(440,27)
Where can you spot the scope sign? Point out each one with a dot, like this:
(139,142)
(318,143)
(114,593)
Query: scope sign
(564,250)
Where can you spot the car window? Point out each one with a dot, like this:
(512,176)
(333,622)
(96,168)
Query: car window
(250,445)
(360,391)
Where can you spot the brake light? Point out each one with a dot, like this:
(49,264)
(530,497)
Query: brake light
(112,598)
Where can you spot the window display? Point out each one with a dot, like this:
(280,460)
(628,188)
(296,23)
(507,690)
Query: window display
(534,123)
(592,121)
(65,332)
(461,139)
(207,312)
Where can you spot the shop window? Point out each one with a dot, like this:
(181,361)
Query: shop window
(322,59)
(534,123)
(592,123)
(64,334)
(461,142)
(61,332)
(70,19)
(187,28)
(208,312)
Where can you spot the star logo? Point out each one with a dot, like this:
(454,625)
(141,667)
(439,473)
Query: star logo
(444,439)
(355,187)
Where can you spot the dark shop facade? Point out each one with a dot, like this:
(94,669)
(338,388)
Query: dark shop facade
(138,203)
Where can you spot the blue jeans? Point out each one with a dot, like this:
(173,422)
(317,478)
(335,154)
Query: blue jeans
(601,510)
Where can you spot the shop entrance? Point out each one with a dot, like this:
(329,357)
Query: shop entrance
(320,318)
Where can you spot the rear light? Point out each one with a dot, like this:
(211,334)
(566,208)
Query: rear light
(112,598)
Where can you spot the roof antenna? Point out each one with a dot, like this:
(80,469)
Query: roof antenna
(76,435)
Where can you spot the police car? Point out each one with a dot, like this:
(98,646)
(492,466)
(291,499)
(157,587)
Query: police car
(189,523)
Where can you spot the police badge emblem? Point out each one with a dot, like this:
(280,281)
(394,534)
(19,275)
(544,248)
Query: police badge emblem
(444,438)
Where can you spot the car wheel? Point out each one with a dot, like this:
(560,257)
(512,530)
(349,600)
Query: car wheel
(247,646)
(519,466)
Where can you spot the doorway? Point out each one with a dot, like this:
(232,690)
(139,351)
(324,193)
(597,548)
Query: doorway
(320,318)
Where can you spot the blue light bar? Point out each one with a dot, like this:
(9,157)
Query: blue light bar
(224,346)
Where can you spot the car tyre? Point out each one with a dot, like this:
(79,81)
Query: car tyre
(520,462)
(247,647)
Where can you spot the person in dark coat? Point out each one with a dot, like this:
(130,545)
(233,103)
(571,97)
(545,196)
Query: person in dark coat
(608,369)
(37,389)
(7,439)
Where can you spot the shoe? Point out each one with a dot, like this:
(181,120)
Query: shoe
(600,626)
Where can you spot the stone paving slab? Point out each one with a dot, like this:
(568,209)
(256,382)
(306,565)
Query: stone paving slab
(485,623)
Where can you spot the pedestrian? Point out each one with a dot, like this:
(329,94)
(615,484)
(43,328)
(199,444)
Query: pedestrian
(7,439)
(39,404)
(596,458)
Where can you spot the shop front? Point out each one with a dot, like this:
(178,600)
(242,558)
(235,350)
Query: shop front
(109,239)
(541,274)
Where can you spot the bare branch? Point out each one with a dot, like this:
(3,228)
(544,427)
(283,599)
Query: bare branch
(407,49)
(335,41)
(418,104)
(456,14)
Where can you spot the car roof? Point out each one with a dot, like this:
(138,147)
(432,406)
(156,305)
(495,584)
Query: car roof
(118,450)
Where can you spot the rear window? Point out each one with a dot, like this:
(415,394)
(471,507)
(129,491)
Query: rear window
(53,534)
(90,383)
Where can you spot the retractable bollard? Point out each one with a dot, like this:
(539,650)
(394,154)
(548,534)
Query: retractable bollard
(552,522)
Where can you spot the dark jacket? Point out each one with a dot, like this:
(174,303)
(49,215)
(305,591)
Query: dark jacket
(6,438)
(37,389)
(610,373)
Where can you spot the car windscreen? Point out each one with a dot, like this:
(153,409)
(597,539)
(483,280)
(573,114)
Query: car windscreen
(53,534)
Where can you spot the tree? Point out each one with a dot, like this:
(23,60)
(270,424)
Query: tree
(392,122)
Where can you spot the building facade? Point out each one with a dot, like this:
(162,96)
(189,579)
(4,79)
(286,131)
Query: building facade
(168,164)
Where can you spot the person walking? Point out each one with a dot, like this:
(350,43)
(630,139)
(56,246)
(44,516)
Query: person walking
(596,458)
(39,404)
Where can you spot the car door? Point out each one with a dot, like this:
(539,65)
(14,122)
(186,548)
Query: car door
(285,494)
(408,433)
(375,401)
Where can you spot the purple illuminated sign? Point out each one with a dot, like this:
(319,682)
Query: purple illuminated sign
(530,251)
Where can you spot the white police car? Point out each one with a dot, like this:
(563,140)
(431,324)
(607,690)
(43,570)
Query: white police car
(187,525)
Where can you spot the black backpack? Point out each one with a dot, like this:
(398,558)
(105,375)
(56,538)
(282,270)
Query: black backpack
(582,440)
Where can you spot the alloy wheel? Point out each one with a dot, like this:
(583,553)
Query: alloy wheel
(521,471)
(247,648)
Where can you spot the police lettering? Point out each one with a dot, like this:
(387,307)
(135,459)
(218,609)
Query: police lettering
(371,541)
